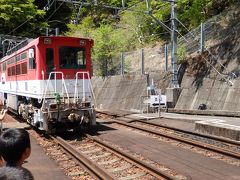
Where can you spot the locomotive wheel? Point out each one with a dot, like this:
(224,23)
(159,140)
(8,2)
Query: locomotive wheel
(51,128)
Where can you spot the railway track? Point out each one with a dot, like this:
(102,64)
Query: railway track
(105,161)
(102,162)
(215,144)
(93,158)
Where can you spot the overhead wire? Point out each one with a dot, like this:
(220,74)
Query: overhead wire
(131,6)
(54,11)
(161,23)
(33,17)
(19,26)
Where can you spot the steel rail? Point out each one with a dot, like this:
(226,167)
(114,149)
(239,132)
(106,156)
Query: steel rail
(94,169)
(236,143)
(150,169)
(185,140)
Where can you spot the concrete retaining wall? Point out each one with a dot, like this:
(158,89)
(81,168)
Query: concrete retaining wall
(219,90)
(125,92)
(217,95)
(119,92)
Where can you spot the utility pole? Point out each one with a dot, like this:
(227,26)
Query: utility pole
(173,32)
(174,45)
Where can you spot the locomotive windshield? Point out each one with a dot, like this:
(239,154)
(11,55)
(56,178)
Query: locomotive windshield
(72,58)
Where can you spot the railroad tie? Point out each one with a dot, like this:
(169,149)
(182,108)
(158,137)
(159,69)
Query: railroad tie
(109,162)
(92,151)
(122,168)
(77,173)
(134,176)
(86,147)
(100,156)
(63,159)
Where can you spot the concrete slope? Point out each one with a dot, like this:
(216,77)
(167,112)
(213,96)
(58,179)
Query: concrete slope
(214,80)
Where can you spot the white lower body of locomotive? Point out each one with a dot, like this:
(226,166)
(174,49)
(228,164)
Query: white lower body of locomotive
(54,104)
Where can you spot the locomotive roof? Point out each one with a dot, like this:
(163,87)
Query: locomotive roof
(26,42)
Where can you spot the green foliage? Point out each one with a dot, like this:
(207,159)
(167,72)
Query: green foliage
(17,12)
(81,30)
(181,54)
(193,12)
(105,49)
(134,28)
(113,31)
(127,64)
(137,25)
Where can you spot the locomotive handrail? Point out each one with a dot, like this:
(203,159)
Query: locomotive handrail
(76,81)
(55,86)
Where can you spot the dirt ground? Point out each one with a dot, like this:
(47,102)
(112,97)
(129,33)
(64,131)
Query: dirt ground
(9,117)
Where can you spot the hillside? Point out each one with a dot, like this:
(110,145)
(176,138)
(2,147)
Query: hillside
(212,77)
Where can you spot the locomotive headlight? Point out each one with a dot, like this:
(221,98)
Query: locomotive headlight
(47,41)
(82,42)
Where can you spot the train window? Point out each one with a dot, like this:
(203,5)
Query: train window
(81,58)
(49,61)
(32,63)
(31,53)
(18,58)
(23,55)
(18,69)
(24,68)
(9,72)
(72,57)
(13,70)
(31,60)
(10,61)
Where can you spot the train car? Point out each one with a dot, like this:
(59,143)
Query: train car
(47,82)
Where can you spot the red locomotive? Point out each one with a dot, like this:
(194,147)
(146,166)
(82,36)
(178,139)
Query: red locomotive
(47,82)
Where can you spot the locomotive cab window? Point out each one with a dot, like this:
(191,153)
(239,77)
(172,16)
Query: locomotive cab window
(72,58)
(49,61)
(31,60)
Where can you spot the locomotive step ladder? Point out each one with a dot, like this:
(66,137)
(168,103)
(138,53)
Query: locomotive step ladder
(83,94)
(52,89)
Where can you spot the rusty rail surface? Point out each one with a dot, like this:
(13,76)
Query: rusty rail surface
(216,138)
(211,147)
(95,170)
(150,169)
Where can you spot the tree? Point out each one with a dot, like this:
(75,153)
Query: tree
(106,48)
(193,12)
(81,30)
(129,29)
(19,17)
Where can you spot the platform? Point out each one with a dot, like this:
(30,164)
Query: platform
(39,164)
(223,126)
(15,125)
